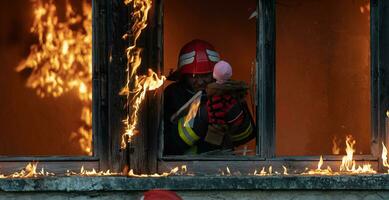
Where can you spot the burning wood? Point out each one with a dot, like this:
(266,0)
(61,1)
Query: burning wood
(142,84)
(62,60)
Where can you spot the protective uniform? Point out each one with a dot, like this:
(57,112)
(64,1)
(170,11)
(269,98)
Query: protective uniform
(199,57)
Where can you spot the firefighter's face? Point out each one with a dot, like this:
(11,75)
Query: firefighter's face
(198,82)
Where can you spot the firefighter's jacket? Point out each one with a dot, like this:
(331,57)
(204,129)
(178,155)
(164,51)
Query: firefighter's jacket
(180,139)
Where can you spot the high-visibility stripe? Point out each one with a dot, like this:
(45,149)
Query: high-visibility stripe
(186,133)
(187,58)
(243,135)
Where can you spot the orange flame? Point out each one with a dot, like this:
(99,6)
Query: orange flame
(335,146)
(320,171)
(62,60)
(192,110)
(93,172)
(384,156)
(263,171)
(143,84)
(30,171)
(174,171)
(348,164)
(347,161)
(285,170)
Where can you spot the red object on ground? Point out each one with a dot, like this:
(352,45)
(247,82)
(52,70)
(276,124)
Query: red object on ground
(160,195)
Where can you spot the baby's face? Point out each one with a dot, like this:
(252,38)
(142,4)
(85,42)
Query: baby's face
(222,71)
(198,82)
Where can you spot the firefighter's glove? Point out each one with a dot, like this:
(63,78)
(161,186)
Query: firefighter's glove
(215,134)
(218,107)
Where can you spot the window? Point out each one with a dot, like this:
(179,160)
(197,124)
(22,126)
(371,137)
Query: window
(318,81)
(322,77)
(227,26)
(46,84)
(268,40)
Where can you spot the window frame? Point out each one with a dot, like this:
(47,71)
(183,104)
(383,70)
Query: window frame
(265,107)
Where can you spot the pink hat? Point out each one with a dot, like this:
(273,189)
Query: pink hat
(222,71)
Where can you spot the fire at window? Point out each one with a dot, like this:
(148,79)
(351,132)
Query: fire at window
(78,90)
(322,76)
(46,51)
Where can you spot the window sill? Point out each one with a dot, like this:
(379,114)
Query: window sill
(290,182)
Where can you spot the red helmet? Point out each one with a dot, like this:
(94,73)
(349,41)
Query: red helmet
(197,57)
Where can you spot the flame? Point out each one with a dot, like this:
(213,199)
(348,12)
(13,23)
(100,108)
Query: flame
(364,7)
(320,163)
(384,156)
(263,171)
(347,161)
(144,84)
(141,83)
(93,172)
(62,59)
(285,170)
(192,111)
(228,170)
(320,171)
(30,171)
(335,146)
(348,164)
(174,171)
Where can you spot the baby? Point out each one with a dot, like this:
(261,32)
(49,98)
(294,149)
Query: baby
(224,98)
(222,72)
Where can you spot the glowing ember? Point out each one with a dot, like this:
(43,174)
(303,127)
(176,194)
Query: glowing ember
(142,84)
(62,60)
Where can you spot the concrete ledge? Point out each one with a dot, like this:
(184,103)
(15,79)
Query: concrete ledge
(188,183)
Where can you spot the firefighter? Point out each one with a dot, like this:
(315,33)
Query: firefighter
(195,69)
